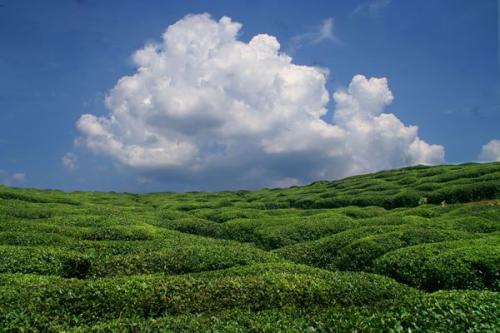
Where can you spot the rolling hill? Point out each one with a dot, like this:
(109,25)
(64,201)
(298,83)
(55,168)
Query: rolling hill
(409,250)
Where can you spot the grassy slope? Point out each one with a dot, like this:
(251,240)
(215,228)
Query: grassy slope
(416,248)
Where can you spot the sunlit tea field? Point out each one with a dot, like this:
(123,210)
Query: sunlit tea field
(408,250)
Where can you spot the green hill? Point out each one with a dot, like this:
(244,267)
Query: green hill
(409,250)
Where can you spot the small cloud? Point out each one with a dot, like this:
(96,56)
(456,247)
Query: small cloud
(371,7)
(325,32)
(144,180)
(322,33)
(9,179)
(69,161)
(18,177)
(490,152)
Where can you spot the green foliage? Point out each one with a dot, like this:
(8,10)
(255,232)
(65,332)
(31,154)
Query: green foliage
(294,232)
(120,233)
(363,212)
(272,260)
(36,302)
(473,264)
(359,255)
(322,252)
(454,312)
(476,224)
(195,226)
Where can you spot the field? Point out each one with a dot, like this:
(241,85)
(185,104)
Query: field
(409,250)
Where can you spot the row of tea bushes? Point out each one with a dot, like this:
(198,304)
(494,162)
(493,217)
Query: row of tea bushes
(42,302)
(87,261)
(355,249)
(450,311)
(467,264)
(405,187)
(266,232)
(359,255)
(323,251)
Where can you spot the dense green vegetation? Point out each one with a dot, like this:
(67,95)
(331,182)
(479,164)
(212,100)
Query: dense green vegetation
(409,250)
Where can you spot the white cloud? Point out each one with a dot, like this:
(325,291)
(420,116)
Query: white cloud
(144,180)
(323,32)
(371,7)
(490,152)
(18,177)
(10,179)
(206,108)
(70,161)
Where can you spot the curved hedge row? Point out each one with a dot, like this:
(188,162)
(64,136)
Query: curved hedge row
(270,232)
(35,302)
(42,260)
(359,255)
(452,311)
(169,260)
(273,237)
(194,226)
(134,232)
(473,264)
(32,238)
(322,252)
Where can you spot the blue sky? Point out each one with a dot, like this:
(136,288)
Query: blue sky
(59,59)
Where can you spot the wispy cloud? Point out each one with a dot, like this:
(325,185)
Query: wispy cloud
(70,161)
(19,177)
(371,7)
(325,32)
(10,179)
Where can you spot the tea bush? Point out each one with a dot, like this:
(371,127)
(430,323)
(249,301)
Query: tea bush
(359,255)
(36,302)
(454,312)
(471,264)
(322,252)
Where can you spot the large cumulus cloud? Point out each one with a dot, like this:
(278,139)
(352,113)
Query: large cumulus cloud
(205,107)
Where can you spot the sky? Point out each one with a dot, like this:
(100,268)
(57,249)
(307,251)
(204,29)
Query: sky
(214,95)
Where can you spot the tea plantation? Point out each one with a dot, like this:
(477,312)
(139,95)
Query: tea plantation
(409,250)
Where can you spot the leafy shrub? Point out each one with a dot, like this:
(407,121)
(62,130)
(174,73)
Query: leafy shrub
(28,238)
(225,214)
(76,266)
(363,212)
(466,193)
(36,302)
(25,211)
(382,220)
(43,260)
(89,261)
(180,259)
(359,255)
(120,233)
(405,198)
(299,231)
(194,226)
(473,264)
(476,224)
(451,311)
(322,252)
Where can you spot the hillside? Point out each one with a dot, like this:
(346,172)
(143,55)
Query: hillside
(415,249)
